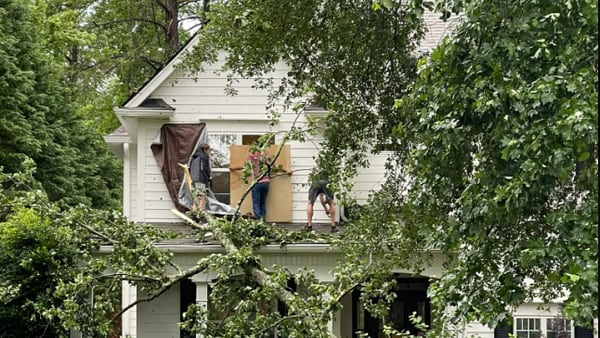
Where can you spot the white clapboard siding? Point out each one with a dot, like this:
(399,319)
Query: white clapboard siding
(436,30)
(160,317)
(205,91)
(475,329)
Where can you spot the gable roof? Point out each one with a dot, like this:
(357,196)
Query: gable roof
(436,30)
(138,98)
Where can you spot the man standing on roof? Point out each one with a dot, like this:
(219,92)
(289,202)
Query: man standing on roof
(259,163)
(201,175)
(261,167)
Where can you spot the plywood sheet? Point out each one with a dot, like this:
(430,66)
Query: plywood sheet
(279,199)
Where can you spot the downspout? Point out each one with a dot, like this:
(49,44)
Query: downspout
(126,181)
(128,328)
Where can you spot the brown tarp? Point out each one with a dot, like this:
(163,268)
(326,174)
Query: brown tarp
(176,144)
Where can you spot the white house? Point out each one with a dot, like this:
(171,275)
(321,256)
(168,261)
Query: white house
(174,100)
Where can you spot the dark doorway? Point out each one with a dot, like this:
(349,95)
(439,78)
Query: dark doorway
(187,297)
(411,297)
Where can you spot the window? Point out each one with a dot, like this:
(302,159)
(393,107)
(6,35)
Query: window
(558,328)
(220,158)
(554,327)
(528,328)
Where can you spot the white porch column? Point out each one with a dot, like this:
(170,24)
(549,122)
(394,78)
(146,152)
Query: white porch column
(201,295)
(335,323)
(129,318)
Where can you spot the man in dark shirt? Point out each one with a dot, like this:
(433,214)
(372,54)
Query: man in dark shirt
(201,174)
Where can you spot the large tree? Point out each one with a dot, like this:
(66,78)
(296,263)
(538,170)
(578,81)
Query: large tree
(494,150)
(499,139)
(38,120)
(110,48)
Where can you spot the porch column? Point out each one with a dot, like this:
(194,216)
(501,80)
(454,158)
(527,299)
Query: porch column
(201,295)
(129,318)
(335,323)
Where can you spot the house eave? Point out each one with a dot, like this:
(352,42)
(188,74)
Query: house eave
(141,112)
(115,144)
(117,139)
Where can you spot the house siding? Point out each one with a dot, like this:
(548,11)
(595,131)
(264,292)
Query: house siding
(203,98)
(159,318)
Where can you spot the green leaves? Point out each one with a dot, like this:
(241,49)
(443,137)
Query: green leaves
(38,120)
(497,122)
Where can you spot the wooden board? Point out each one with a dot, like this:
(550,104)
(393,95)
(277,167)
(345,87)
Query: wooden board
(279,199)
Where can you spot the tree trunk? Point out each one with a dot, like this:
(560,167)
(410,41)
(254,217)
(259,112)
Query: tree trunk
(172,12)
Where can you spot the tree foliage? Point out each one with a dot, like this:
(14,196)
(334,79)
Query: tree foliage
(37,121)
(499,138)
(494,145)
(343,55)
(54,279)
(110,48)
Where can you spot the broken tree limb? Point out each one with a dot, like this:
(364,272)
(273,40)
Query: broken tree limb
(259,275)
(188,177)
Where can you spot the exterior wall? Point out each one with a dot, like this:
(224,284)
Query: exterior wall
(294,257)
(476,330)
(129,318)
(346,317)
(133,193)
(436,30)
(205,100)
(158,318)
(158,202)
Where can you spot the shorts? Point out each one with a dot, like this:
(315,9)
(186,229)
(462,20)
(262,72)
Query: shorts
(200,189)
(316,190)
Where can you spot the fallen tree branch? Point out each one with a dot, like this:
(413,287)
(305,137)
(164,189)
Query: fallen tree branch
(164,288)
(260,276)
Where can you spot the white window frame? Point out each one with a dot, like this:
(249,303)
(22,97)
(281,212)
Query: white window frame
(543,325)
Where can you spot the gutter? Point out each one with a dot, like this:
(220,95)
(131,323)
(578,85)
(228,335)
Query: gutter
(202,248)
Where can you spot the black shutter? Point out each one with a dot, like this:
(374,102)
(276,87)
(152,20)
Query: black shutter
(582,332)
(503,331)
